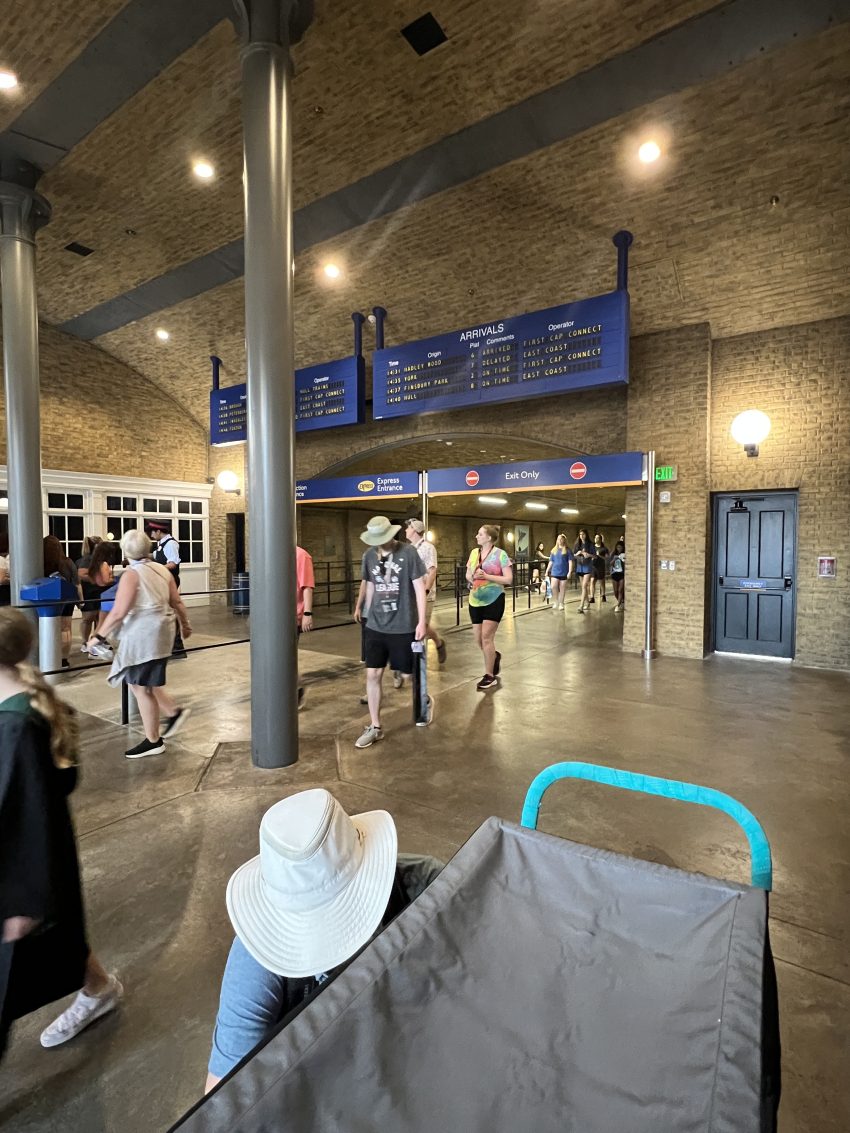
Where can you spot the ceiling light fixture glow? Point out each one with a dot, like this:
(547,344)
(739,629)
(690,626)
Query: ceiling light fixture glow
(569,511)
(203,170)
(650,151)
(332,271)
(162,334)
(496,500)
(8,80)
(537,507)
(624,515)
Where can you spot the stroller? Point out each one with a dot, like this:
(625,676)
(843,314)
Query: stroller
(538,984)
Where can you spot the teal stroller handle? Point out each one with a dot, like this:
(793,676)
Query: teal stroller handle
(760,862)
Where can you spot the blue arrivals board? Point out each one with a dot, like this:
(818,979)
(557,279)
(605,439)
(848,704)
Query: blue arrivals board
(575,346)
(330,394)
(228,415)
(578,472)
(374,485)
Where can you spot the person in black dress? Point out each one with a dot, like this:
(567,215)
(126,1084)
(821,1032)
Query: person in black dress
(44,953)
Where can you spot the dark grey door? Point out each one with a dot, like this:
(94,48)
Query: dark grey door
(754,572)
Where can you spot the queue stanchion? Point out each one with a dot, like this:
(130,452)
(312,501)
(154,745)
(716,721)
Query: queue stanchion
(49,596)
(242,593)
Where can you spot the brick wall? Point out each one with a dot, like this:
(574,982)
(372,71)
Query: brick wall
(800,377)
(668,407)
(100,416)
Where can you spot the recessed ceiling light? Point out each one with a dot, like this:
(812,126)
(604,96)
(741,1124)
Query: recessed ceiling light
(537,507)
(162,334)
(203,170)
(497,500)
(332,271)
(450,443)
(650,151)
(569,511)
(8,80)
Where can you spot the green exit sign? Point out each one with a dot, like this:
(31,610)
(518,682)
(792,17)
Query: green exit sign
(666,472)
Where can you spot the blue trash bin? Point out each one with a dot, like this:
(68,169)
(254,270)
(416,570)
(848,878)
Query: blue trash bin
(49,595)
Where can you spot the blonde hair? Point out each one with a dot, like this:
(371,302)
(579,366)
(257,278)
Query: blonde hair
(135,544)
(16,641)
(560,541)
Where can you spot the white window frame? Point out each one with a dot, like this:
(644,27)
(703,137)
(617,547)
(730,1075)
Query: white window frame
(194,577)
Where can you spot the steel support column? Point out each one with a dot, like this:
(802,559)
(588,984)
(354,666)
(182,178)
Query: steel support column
(22,213)
(269,27)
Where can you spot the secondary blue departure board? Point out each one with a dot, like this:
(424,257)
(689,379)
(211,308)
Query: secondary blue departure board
(326,395)
(575,346)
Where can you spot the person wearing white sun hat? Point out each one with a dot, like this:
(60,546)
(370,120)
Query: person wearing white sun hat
(322,885)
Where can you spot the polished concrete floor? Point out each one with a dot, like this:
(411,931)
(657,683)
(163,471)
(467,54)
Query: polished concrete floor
(159,837)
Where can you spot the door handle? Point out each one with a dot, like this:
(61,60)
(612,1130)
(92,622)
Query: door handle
(720,580)
(789,582)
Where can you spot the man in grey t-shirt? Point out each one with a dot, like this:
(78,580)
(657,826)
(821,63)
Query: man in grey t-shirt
(395,598)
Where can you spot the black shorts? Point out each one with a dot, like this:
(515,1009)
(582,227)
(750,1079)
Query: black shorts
(492,612)
(379,649)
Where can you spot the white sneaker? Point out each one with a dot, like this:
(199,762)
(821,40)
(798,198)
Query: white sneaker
(84,1010)
(429,714)
(370,736)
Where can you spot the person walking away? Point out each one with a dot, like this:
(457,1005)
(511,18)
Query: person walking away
(600,566)
(95,579)
(559,570)
(167,553)
(488,572)
(618,574)
(415,534)
(146,604)
(57,564)
(584,552)
(305,585)
(44,952)
(396,601)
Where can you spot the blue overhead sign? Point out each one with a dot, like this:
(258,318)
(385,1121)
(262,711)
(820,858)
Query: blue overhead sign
(228,415)
(575,346)
(375,485)
(330,394)
(578,472)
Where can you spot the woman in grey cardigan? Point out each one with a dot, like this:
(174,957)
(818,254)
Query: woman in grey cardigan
(146,605)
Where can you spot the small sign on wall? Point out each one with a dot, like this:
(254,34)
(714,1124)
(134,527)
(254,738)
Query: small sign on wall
(826,566)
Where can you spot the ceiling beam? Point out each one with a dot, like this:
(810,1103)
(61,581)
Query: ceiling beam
(696,51)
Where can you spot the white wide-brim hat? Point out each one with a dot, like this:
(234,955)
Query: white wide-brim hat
(319,887)
(379,530)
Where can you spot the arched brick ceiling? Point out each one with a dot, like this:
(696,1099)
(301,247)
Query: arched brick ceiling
(530,233)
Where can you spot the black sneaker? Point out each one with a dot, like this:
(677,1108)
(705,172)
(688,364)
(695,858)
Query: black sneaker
(486,682)
(146,747)
(604,599)
(172,724)
(364,699)
(592,600)
(497,664)
(302,696)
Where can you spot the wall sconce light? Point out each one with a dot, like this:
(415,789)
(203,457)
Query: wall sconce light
(510,536)
(749,429)
(429,535)
(228,482)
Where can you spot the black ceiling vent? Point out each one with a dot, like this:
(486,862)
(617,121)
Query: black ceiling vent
(78,249)
(424,34)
